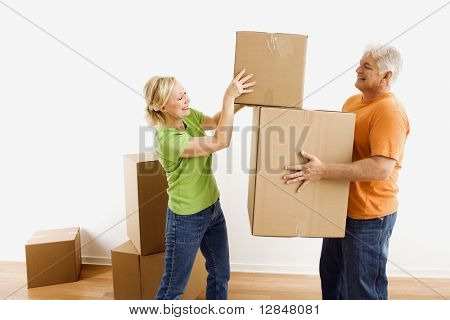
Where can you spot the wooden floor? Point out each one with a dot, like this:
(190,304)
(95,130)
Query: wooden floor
(96,283)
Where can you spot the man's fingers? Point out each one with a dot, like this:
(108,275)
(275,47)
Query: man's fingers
(239,75)
(247,91)
(293,175)
(298,179)
(307,155)
(293,167)
(304,184)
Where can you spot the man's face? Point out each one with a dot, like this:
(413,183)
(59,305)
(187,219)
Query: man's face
(368,75)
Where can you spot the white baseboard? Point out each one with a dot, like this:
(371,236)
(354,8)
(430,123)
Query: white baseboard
(301,269)
(97,260)
(278,269)
(419,273)
(314,270)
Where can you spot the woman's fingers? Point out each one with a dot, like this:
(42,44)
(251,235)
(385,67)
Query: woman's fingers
(243,80)
(238,85)
(246,85)
(239,75)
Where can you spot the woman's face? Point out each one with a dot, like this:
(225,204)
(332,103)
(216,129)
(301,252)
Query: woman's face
(178,104)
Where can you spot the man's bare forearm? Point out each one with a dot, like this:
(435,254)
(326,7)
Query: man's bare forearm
(362,170)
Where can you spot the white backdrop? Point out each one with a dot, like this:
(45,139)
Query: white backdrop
(65,123)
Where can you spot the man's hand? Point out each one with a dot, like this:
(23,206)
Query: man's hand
(313,170)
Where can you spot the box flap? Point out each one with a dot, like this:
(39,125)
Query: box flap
(54,235)
(126,247)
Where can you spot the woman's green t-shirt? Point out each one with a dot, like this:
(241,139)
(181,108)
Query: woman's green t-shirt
(192,186)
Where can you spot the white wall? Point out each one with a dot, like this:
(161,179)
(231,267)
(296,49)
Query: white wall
(65,124)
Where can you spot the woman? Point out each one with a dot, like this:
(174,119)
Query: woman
(194,216)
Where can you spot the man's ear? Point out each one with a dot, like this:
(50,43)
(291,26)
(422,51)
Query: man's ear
(387,77)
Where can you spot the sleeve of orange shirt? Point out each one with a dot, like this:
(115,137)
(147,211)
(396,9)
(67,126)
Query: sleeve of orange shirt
(388,133)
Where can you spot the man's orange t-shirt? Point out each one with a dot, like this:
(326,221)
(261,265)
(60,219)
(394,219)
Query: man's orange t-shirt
(381,129)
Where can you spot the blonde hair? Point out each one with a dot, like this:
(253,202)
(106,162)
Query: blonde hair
(157,92)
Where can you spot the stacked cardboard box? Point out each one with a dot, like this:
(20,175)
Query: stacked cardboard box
(277,61)
(146,202)
(138,264)
(281,130)
(138,277)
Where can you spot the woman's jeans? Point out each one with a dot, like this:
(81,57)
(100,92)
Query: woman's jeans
(185,234)
(355,267)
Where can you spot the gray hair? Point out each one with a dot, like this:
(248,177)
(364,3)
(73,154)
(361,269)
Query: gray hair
(388,59)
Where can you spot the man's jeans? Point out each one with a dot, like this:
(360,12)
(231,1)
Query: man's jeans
(355,267)
(185,234)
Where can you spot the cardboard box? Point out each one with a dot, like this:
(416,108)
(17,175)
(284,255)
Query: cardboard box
(146,202)
(275,208)
(277,61)
(53,257)
(126,272)
(137,277)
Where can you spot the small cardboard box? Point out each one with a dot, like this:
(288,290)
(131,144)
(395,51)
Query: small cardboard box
(277,61)
(53,257)
(146,202)
(137,277)
(275,208)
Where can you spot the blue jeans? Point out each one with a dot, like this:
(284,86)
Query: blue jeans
(354,267)
(185,234)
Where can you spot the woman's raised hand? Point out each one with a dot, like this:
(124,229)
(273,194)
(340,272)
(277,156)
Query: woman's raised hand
(239,86)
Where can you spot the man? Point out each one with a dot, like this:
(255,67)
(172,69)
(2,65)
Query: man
(355,267)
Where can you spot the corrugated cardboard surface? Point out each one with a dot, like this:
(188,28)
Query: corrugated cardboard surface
(146,202)
(53,257)
(138,277)
(276,209)
(277,61)
(152,269)
(126,272)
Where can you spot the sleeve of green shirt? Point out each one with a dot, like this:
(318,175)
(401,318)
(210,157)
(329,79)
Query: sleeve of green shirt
(196,116)
(172,144)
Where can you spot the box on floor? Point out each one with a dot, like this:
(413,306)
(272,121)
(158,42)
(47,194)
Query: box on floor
(53,257)
(137,277)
